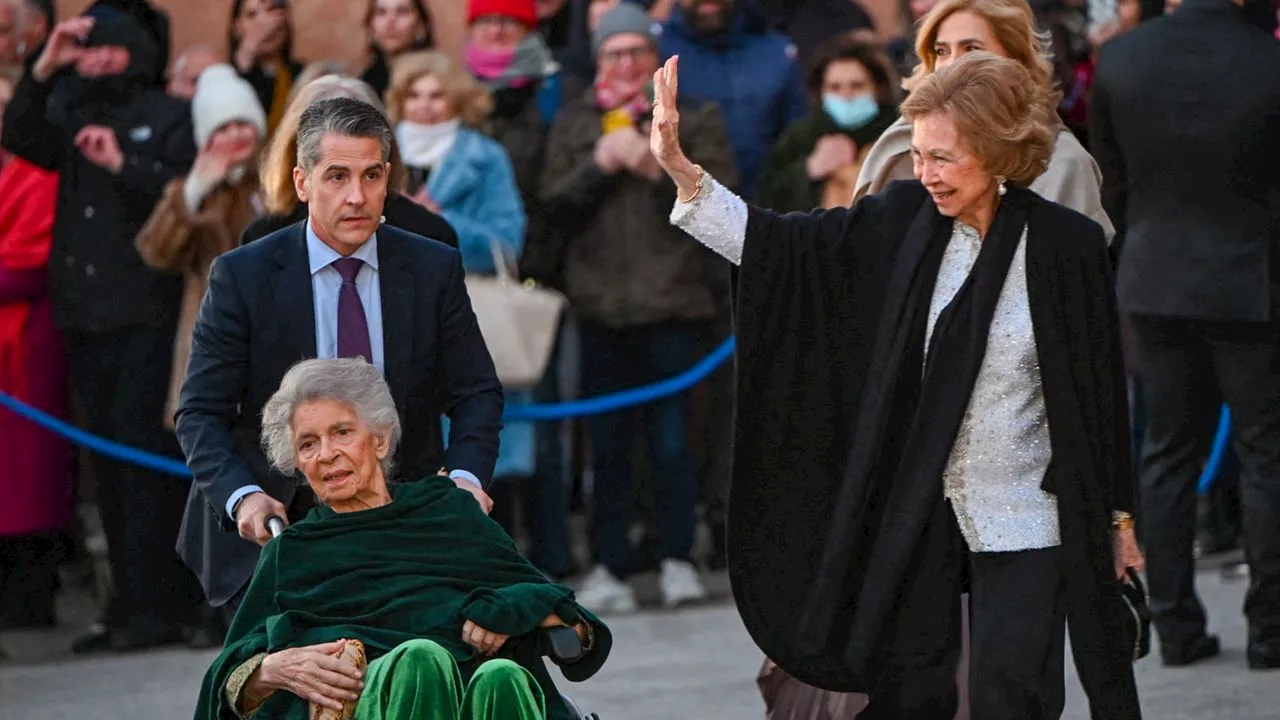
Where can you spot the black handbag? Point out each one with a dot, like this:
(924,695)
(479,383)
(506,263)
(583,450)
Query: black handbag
(1137,616)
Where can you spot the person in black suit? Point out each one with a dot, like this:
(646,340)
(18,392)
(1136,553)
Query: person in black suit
(277,170)
(1186,129)
(338,284)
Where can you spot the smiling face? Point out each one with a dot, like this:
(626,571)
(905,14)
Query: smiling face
(339,454)
(345,191)
(956,179)
(427,102)
(963,32)
(629,61)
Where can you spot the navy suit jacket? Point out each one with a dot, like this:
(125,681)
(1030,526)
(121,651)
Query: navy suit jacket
(258,319)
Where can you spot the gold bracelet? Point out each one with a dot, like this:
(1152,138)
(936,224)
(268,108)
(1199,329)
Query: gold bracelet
(697,188)
(1121,520)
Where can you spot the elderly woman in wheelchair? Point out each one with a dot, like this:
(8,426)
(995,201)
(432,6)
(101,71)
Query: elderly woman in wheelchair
(388,601)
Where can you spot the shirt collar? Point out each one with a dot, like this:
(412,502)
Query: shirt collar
(322,256)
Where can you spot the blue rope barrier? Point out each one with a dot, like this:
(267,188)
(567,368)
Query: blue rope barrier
(1221,443)
(626,398)
(520,413)
(118,451)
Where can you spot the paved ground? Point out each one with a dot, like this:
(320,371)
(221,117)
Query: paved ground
(696,664)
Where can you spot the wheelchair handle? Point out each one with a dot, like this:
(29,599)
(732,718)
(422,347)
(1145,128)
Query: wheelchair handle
(561,644)
(276,525)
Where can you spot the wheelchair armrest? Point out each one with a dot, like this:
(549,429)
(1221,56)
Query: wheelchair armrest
(561,644)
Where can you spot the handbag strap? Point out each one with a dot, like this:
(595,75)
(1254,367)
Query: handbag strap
(504,261)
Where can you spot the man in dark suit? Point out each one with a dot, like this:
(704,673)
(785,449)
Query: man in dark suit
(335,285)
(1186,129)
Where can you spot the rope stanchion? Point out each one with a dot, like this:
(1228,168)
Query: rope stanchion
(520,413)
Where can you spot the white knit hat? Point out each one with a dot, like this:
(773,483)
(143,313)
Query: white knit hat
(222,96)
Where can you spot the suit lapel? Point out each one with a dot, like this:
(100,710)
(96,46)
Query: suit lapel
(293,296)
(396,284)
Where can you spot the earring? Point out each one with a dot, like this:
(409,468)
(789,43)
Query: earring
(1000,188)
(383,220)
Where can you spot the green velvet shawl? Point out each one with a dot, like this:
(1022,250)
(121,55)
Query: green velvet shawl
(415,568)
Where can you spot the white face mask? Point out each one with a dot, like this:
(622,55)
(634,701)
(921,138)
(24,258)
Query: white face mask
(425,146)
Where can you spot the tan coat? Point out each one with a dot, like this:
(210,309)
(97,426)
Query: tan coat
(177,241)
(1072,179)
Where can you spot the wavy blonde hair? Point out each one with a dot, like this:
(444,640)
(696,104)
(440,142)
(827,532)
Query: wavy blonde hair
(998,111)
(470,100)
(1012,23)
(279,194)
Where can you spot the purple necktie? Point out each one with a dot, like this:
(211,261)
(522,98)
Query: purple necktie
(353,328)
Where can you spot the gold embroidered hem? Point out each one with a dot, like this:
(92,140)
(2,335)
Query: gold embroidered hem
(235,686)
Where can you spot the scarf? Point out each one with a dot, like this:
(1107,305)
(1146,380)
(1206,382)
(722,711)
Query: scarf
(415,568)
(905,431)
(522,67)
(28,195)
(426,146)
(639,105)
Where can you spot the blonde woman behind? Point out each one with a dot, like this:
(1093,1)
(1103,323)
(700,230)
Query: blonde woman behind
(1005,28)
(281,196)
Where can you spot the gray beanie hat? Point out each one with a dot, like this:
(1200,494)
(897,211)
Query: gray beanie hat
(627,17)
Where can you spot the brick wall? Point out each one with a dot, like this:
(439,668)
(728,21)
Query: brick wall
(334,28)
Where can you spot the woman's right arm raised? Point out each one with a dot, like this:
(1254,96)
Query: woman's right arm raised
(710,212)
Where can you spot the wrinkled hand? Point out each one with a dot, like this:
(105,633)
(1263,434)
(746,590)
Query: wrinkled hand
(482,497)
(100,146)
(664,134)
(63,47)
(315,673)
(1128,554)
(830,154)
(484,641)
(251,516)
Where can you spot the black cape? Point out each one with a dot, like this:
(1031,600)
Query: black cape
(814,292)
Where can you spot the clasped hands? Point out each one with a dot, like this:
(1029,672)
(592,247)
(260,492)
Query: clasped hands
(626,149)
(318,674)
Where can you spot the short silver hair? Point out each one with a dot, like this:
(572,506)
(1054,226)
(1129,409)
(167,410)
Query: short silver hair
(350,381)
(341,116)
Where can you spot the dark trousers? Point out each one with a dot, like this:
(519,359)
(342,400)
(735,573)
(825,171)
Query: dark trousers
(123,379)
(1189,369)
(1017,638)
(616,359)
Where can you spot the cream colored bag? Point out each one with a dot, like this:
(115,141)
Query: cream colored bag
(519,321)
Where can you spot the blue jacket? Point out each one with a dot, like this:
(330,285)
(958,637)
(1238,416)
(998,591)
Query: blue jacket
(753,73)
(476,188)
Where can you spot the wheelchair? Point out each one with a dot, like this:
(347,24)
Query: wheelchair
(560,644)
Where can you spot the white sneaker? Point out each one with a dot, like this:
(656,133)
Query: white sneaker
(603,593)
(680,584)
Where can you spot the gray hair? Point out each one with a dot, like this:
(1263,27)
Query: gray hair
(342,116)
(350,381)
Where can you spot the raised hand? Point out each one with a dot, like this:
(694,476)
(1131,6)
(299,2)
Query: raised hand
(64,47)
(664,135)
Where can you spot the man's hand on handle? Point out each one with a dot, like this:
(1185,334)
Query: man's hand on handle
(251,516)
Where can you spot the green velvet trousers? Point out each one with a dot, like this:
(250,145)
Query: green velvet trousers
(419,680)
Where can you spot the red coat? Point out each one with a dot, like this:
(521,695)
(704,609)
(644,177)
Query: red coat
(35,489)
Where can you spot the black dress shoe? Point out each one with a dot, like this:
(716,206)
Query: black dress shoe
(1264,656)
(1183,654)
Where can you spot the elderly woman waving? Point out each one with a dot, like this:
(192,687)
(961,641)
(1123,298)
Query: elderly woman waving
(930,397)
(413,576)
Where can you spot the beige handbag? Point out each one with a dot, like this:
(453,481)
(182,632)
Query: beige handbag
(519,321)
